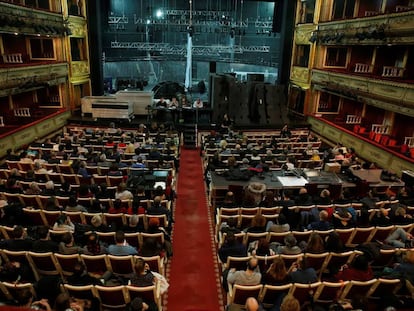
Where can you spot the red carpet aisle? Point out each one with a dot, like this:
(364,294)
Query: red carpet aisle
(194,282)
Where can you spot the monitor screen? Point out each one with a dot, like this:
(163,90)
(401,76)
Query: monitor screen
(161,173)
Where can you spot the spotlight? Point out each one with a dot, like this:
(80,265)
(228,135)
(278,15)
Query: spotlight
(159,14)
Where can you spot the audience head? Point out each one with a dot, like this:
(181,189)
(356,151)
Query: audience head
(290,303)
(153,222)
(258,221)
(325,193)
(278,269)
(252,264)
(140,266)
(119,236)
(290,240)
(333,243)
(42,232)
(62,302)
(315,243)
(252,304)
(49,185)
(137,304)
(323,215)
(96,221)
(67,238)
(18,232)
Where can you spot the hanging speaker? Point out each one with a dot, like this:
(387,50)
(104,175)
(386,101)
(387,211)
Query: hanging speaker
(277,16)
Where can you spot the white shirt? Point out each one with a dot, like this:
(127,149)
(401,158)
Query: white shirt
(198,104)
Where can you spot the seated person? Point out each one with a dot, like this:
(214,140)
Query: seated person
(161,103)
(360,270)
(173,103)
(198,103)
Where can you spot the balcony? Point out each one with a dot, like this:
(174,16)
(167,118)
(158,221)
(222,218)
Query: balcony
(24,20)
(20,79)
(393,28)
(387,156)
(389,95)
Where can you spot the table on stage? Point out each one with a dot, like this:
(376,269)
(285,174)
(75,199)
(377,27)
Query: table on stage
(183,115)
(373,177)
(274,180)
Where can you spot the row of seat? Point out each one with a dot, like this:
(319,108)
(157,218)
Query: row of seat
(43,264)
(39,201)
(319,292)
(320,262)
(229,211)
(350,236)
(110,297)
(39,217)
(268,136)
(64,170)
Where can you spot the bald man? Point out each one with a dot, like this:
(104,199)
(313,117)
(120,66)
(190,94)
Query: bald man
(252,304)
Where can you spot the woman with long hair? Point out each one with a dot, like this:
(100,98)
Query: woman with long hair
(277,274)
(315,244)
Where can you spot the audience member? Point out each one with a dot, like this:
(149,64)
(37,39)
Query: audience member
(290,303)
(63,223)
(121,247)
(277,273)
(67,245)
(290,247)
(231,247)
(302,273)
(322,224)
(93,245)
(18,241)
(44,244)
(250,276)
(142,276)
(360,270)
(315,244)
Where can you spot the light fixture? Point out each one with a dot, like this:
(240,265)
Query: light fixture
(159,14)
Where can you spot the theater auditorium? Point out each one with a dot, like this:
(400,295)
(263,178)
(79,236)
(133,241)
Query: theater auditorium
(202,155)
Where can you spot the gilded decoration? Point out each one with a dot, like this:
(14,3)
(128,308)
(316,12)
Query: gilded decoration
(80,68)
(303,33)
(300,74)
(396,27)
(77,27)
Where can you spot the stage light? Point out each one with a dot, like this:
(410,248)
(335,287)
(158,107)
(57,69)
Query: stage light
(159,14)
(148,22)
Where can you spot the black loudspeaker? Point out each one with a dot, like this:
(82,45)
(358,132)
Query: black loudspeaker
(213,67)
(255,77)
(277,16)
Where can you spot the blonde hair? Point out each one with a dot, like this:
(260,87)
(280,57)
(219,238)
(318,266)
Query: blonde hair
(290,303)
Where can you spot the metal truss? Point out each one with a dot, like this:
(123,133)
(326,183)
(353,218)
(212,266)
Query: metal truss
(118,20)
(166,48)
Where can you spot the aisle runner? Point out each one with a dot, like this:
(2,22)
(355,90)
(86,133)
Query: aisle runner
(194,282)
